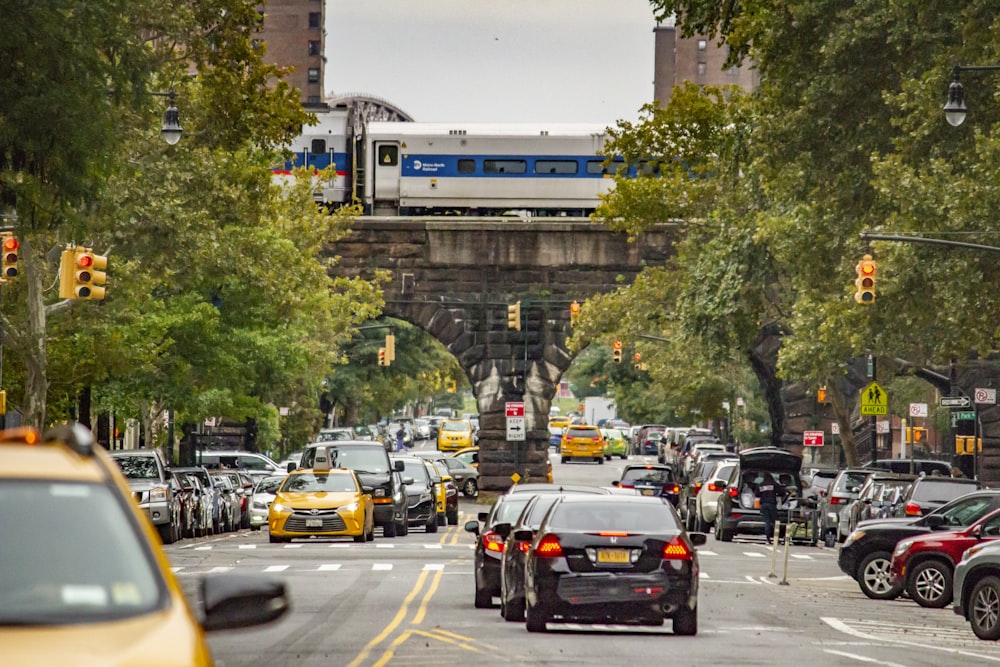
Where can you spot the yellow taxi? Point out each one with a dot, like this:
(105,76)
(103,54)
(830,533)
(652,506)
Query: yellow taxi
(321,502)
(445,494)
(454,434)
(85,581)
(582,441)
(559,421)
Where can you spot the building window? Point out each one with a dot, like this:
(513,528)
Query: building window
(315,19)
(702,69)
(314,47)
(313,75)
(702,44)
(313,99)
(598,167)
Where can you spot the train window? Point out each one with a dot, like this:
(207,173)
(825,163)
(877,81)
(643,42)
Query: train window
(505,166)
(388,155)
(466,166)
(318,146)
(649,167)
(598,167)
(556,167)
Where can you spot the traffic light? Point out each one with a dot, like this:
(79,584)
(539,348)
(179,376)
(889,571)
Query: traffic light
(81,274)
(382,357)
(637,360)
(390,348)
(574,313)
(617,347)
(514,316)
(916,435)
(452,386)
(9,246)
(968,444)
(821,394)
(865,281)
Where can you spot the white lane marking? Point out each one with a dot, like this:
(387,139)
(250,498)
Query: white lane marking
(753,581)
(293,546)
(248,546)
(801,556)
(702,552)
(754,554)
(381,566)
(767,580)
(339,545)
(839,625)
(861,658)
(328,567)
(385,546)
(221,568)
(838,577)
(703,575)
(275,568)
(206,548)
(433,546)
(434,566)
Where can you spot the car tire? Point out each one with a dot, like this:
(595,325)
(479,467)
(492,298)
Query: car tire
(371,533)
(564,459)
(686,622)
(165,530)
(483,598)
(470,488)
(873,577)
(721,533)
(275,540)
(453,517)
(363,537)
(983,608)
(515,611)
(534,618)
(432,524)
(929,584)
(601,460)
(389,529)
(442,519)
(624,456)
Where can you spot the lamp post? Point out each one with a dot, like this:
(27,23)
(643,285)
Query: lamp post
(172,129)
(955,109)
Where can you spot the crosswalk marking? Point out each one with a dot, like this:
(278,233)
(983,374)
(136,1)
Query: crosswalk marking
(328,567)
(703,575)
(434,566)
(802,556)
(221,568)
(293,546)
(433,546)
(381,566)
(248,546)
(385,546)
(275,568)
(754,554)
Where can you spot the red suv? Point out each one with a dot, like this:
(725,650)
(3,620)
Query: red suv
(925,563)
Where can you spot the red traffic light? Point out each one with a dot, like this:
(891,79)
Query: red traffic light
(85,261)
(617,345)
(10,243)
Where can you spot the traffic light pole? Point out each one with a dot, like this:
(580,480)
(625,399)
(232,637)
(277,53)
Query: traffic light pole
(873,423)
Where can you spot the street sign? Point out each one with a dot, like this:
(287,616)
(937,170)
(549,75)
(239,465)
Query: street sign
(874,400)
(882,426)
(918,409)
(514,408)
(985,396)
(955,402)
(834,429)
(812,438)
(964,415)
(515,421)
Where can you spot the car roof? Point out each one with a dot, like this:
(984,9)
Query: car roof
(542,487)
(648,466)
(615,499)
(342,443)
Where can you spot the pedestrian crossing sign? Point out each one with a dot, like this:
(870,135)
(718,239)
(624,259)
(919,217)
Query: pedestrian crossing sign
(874,400)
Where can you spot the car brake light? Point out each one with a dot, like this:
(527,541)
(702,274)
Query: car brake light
(549,547)
(733,492)
(672,488)
(493,542)
(523,547)
(613,533)
(838,500)
(626,485)
(913,509)
(713,487)
(676,549)
(697,488)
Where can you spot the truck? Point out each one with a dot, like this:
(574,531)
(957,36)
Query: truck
(596,408)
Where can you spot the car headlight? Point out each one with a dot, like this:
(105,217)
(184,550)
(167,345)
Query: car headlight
(902,547)
(278,507)
(854,537)
(259,505)
(352,507)
(424,497)
(157,494)
(379,493)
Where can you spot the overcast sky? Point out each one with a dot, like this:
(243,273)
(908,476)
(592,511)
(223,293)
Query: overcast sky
(495,60)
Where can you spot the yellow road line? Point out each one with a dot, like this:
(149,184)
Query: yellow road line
(440,638)
(464,638)
(391,651)
(400,615)
(422,609)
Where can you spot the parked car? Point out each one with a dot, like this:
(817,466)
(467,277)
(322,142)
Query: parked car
(230,500)
(186,491)
(148,476)
(611,559)
(976,587)
(707,500)
(260,501)
(866,555)
(739,507)
(872,487)
(420,493)
(925,564)
(692,487)
(843,489)
(370,460)
(445,493)
(929,493)
(209,500)
(920,466)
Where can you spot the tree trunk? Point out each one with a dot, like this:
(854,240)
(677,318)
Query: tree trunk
(36,380)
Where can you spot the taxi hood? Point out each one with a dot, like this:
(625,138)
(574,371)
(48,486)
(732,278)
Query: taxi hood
(771,459)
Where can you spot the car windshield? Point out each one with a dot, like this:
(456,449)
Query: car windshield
(574,432)
(597,516)
(269,485)
(329,436)
(416,470)
(107,575)
(940,492)
(509,509)
(138,467)
(360,459)
(724,472)
(362,431)
(965,511)
(456,427)
(649,475)
(308,481)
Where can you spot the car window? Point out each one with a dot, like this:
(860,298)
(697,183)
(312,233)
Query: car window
(510,509)
(538,509)
(574,432)
(652,475)
(991,527)
(364,459)
(940,491)
(724,472)
(964,512)
(456,427)
(138,467)
(416,470)
(307,481)
(589,516)
(107,575)
(850,480)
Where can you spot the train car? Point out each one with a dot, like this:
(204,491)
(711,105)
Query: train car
(320,146)
(482,169)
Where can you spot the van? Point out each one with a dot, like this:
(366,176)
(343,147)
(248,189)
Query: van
(920,466)
(257,465)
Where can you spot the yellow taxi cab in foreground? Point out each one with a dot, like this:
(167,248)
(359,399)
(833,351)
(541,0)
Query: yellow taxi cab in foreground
(85,580)
(582,441)
(454,434)
(321,502)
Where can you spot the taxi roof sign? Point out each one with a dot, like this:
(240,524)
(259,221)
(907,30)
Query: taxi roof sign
(874,400)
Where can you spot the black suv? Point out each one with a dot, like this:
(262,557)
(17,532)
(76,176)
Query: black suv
(867,553)
(371,463)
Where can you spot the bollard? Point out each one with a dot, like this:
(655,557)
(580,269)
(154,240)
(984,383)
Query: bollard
(774,549)
(788,544)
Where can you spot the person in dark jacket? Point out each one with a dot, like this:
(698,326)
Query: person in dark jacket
(767,491)
(400,444)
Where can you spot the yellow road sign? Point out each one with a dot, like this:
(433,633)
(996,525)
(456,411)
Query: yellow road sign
(874,400)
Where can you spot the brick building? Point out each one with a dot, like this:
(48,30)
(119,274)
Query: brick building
(295,36)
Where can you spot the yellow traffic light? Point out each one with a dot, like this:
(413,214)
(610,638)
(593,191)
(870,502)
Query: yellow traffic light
(574,313)
(82,274)
(637,360)
(617,347)
(968,444)
(9,247)
(382,360)
(390,347)
(916,434)
(865,281)
(821,394)
(514,316)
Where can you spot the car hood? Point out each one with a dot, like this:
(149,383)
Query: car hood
(770,459)
(888,523)
(317,499)
(144,484)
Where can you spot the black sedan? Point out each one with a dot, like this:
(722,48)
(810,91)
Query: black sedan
(490,539)
(614,559)
(651,479)
(419,492)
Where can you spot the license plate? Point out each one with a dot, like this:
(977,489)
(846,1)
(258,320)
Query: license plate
(314,523)
(612,556)
(648,492)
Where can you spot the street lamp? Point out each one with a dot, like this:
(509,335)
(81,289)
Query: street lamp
(172,129)
(955,109)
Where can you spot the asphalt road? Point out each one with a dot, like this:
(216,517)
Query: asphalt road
(408,602)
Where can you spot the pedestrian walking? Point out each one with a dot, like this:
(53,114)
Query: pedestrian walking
(767,492)
(400,444)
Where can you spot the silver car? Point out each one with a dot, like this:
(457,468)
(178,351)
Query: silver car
(263,496)
(707,500)
(976,586)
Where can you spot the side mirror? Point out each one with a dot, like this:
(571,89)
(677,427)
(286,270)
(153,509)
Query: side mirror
(399,466)
(472,527)
(977,532)
(291,466)
(436,479)
(698,539)
(933,521)
(502,529)
(238,601)
(524,535)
